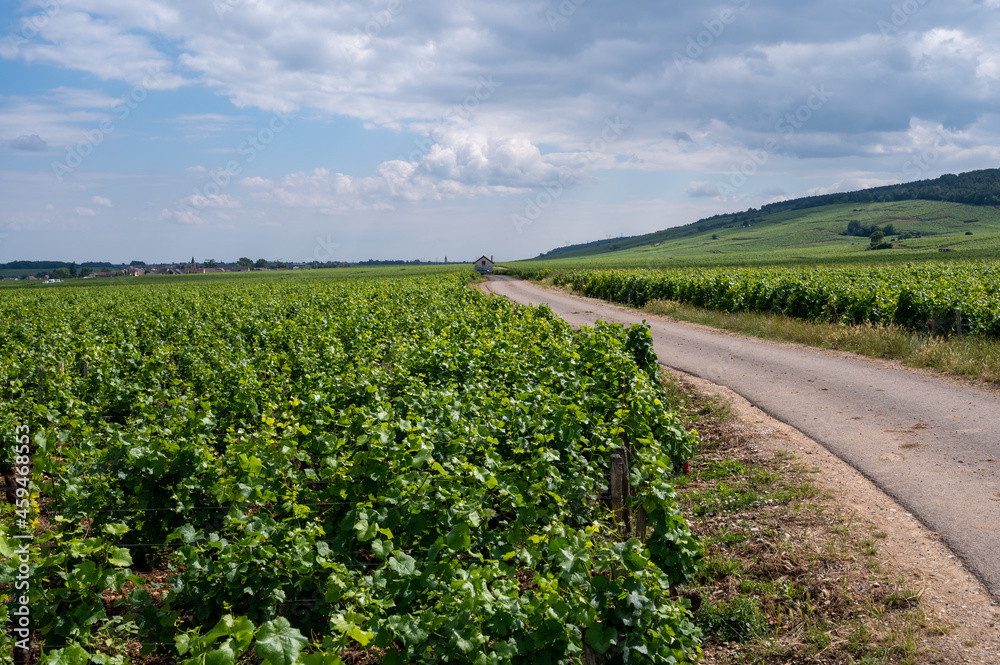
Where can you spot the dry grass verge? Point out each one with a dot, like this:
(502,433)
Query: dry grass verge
(792,574)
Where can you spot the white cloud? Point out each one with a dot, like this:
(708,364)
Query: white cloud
(201,201)
(82,98)
(700,189)
(86,212)
(462,165)
(182,217)
(478,159)
(101,201)
(508,104)
(412,66)
(33,143)
(48,117)
(191,210)
(102,47)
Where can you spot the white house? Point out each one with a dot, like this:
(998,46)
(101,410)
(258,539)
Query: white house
(484,265)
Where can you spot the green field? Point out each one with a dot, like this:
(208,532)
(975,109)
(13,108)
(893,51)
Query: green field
(299,470)
(957,297)
(807,236)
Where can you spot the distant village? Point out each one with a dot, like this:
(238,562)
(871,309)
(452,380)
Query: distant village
(51,275)
(140,269)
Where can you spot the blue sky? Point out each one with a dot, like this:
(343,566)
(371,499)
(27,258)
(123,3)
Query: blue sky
(300,130)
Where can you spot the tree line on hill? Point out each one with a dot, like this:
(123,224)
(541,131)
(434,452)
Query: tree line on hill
(972,188)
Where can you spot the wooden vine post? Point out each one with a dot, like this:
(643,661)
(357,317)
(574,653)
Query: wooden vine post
(629,524)
(626,523)
(640,524)
(620,491)
(591,657)
(958,322)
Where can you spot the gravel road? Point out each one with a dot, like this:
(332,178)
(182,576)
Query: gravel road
(930,443)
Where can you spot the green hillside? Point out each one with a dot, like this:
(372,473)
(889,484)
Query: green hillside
(811,230)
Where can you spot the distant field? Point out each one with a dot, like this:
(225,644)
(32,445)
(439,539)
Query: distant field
(807,236)
(272,275)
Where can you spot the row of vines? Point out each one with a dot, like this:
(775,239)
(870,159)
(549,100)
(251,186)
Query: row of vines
(318,472)
(941,297)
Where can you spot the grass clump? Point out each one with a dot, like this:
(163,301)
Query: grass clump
(737,620)
(787,577)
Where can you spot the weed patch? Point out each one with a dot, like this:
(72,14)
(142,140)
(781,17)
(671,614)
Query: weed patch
(787,577)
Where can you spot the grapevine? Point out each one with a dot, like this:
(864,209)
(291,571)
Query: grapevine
(310,470)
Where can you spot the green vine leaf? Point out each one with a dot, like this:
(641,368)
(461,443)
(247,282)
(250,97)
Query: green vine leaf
(278,643)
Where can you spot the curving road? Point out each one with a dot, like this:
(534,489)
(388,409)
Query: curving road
(931,444)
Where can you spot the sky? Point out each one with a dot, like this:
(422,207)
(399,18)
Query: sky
(306,130)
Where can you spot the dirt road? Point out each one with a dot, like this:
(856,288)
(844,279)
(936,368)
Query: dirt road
(931,444)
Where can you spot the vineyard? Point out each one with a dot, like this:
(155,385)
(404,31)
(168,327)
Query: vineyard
(319,471)
(942,297)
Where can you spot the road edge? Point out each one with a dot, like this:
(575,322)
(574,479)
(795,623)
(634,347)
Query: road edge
(910,550)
